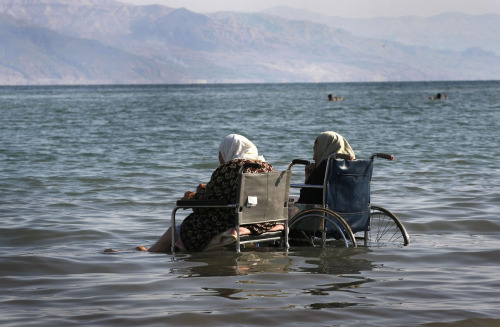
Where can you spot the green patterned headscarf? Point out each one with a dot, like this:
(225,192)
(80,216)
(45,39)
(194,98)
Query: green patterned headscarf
(328,143)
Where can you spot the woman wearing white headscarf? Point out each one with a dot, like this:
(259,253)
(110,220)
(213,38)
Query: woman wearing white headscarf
(201,226)
(326,144)
(236,146)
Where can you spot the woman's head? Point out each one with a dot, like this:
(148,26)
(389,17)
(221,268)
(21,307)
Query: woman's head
(328,143)
(236,146)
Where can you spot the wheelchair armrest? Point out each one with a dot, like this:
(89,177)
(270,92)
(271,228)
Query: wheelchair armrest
(201,203)
(305,186)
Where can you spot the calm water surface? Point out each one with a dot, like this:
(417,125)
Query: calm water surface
(83,169)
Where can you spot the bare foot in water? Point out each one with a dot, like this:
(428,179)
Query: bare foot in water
(110,251)
(140,248)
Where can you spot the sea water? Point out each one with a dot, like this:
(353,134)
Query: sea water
(86,168)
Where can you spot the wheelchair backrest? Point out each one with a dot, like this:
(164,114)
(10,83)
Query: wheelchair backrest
(347,190)
(263,197)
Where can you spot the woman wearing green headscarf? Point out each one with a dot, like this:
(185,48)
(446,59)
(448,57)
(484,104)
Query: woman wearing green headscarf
(326,144)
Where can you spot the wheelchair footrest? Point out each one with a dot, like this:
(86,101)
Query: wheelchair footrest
(261,237)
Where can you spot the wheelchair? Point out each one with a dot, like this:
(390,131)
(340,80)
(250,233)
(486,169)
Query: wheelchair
(262,197)
(345,215)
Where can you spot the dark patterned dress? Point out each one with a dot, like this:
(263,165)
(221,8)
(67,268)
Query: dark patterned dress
(198,229)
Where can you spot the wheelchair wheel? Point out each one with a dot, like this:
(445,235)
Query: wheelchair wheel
(386,228)
(320,227)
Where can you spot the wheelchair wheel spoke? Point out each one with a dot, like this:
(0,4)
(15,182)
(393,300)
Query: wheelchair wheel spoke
(387,229)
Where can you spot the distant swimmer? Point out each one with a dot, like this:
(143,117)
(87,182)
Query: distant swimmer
(437,97)
(332,98)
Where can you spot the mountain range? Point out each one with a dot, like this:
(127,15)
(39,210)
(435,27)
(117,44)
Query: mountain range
(108,42)
(447,31)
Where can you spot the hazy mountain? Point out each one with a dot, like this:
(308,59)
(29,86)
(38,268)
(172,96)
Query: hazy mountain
(99,41)
(33,55)
(447,31)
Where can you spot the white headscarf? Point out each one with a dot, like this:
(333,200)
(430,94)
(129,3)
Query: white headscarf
(329,143)
(236,146)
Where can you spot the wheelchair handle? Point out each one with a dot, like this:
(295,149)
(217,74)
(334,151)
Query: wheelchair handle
(298,161)
(382,155)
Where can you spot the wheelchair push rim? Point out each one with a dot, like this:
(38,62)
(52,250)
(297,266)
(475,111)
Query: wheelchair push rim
(314,233)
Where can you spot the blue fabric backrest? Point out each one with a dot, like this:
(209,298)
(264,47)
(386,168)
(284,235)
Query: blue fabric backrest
(348,191)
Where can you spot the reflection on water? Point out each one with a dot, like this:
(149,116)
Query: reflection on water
(228,263)
(267,274)
(332,261)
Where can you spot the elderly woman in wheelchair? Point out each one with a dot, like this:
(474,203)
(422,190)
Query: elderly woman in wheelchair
(212,222)
(325,145)
(334,203)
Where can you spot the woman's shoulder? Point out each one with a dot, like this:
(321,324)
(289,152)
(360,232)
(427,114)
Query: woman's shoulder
(238,163)
(265,167)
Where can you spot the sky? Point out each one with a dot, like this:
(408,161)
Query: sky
(344,8)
